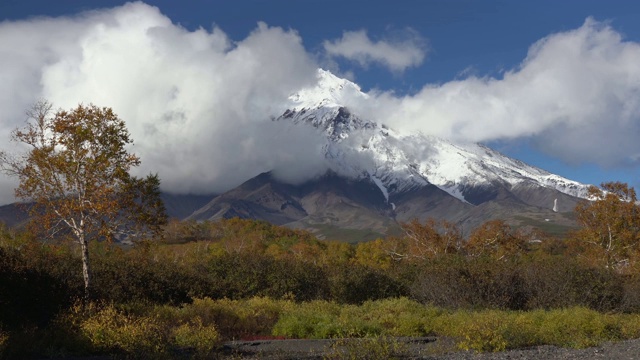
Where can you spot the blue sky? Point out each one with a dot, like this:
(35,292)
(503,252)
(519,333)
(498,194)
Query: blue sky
(444,42)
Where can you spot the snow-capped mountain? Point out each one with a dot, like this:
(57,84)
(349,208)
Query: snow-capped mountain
(379,176)
(398,162)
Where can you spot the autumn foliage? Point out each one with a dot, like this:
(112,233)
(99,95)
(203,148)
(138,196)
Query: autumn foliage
(75,178)
(496,239)
(610,226)
(206,281)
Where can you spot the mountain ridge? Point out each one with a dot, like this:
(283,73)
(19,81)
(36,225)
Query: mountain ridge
(402,176)
(402,161)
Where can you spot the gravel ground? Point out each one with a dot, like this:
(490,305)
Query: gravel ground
(426,348)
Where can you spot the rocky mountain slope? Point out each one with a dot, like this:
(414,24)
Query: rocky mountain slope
(379,176)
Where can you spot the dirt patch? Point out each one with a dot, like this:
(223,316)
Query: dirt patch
(422,348)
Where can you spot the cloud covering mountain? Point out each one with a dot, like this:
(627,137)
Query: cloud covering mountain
(576,94)
(199,104)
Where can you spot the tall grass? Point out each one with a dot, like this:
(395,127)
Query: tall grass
(484,330)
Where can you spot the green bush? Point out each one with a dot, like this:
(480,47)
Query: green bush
(479,331)
(486,330)
(353,322)
(400,316)
(157,333)
(322,320)
(495,330)
(196,337)
(390,317)
(233,319)
(377,347)
(312,320)
(578,327)
(110,330)
(629,325)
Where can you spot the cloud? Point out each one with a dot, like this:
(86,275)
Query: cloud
(197,104)
(397,55)
(576,96)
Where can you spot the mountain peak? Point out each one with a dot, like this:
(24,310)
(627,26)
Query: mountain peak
(379,176)
(330,91)
(396,162)
(323,106)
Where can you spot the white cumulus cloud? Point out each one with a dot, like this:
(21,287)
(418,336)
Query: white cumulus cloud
(197,104)
(397,55)
(576,96)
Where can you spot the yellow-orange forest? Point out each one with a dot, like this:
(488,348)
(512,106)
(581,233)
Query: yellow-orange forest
(203,283)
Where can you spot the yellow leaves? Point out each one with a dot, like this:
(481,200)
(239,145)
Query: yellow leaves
(431,239)
(337,252)
(485,334)
(373,254)
(77,166)
(194,335)
(77,175)
(611,223)
(110,329)
(496,239)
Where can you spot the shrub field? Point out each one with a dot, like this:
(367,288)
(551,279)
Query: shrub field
(207,283)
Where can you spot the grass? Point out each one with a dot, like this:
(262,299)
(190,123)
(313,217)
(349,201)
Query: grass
(352,236)
(552,228)
(198,329)
(377,347)
(485,330)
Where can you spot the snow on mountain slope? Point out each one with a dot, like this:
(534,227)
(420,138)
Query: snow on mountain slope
(330,92)
(398,162)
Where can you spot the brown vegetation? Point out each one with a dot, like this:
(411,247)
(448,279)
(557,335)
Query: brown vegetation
(211,281)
